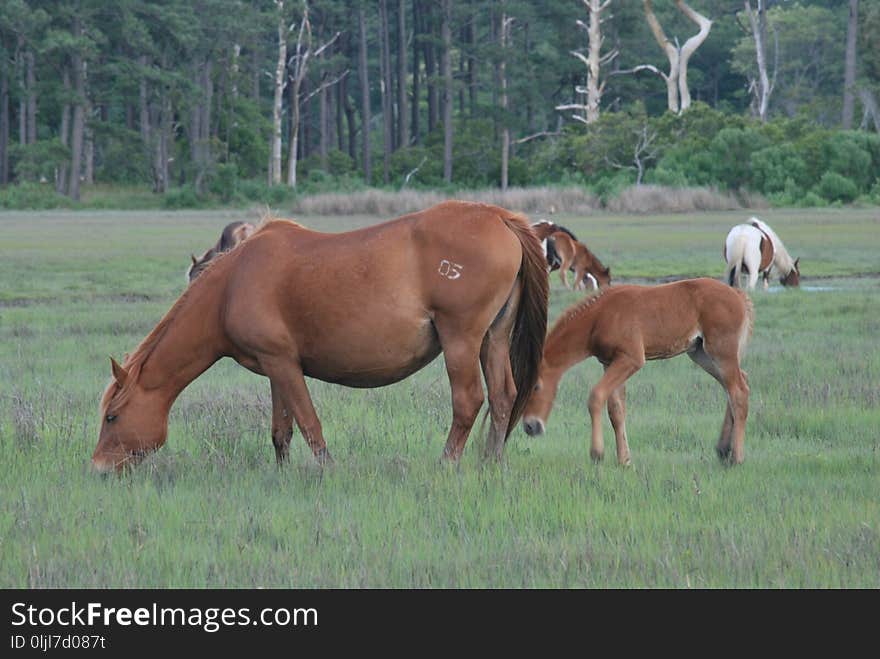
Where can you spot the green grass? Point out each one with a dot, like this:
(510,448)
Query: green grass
(211,508)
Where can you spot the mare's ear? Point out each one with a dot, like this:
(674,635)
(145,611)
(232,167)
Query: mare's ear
(195,260)
(119,373)
(608,271)
(797,262)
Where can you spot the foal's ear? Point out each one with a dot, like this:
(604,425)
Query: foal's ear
(797,262)
(119,373)
(195,260)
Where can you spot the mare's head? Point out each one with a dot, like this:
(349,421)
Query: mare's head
(134,421)
(793,278)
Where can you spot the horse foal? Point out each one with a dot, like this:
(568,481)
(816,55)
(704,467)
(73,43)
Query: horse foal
(625,326)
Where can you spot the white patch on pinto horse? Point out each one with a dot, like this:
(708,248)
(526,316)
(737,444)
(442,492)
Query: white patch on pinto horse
(593,281)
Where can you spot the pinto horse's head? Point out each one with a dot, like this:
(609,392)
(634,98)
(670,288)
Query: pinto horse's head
(793,278)
(134,422)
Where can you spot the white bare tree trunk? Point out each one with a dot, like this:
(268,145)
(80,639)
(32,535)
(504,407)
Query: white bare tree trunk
(505,131)
(678,95)
(275,159)
(672,54)
(689,48)
(758,24)
(594,60)
(849,70)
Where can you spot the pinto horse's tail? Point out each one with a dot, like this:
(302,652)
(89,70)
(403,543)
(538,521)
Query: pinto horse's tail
(530,327)
(734,260)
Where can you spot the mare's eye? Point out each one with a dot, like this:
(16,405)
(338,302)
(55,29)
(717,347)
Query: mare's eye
(109,418)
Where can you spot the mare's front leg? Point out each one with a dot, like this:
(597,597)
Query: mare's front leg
(616,373)
(290,397)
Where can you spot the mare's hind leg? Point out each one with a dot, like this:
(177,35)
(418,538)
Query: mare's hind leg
(723,365)
(495,360)
(461,349)
(617,415)
(290,396)
(616,373)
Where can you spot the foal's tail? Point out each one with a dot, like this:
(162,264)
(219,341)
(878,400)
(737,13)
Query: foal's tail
(530,328)
(748,325)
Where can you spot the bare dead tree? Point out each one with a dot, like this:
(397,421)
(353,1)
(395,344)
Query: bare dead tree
(275,147)
(678,96)
(504,38)
(762,87)
(594,60)
(644,151)
(849,69)
(298,68)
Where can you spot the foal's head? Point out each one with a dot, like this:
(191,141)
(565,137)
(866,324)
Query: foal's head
(793,278)
(134,423)
(537,409)
(602,276)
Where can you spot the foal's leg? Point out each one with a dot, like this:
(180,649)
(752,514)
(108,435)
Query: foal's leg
(702,358)
(616,373)
(723,354)
(617,414)
(291,396)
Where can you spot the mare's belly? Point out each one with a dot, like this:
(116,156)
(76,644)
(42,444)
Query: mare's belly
(370,354)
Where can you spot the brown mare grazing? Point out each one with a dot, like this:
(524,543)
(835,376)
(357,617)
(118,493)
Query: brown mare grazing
(575,256)
(565,252)
(626,325)
(233,234)
(364,308)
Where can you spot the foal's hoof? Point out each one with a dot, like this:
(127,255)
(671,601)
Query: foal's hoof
(596,456)
(723,453)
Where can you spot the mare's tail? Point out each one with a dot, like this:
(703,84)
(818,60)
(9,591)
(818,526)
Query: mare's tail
(530,327)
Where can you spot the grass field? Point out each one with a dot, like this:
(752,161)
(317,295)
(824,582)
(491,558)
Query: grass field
(212,509)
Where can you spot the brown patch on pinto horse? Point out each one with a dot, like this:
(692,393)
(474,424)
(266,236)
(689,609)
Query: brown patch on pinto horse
(282,307)
(625,326)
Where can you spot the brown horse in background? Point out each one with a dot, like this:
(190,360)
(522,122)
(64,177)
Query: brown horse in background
(233,233)
(282,305)
(565,252)
(626,325)
(574,255)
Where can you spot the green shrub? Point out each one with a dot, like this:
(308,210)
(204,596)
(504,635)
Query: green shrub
(32,196)
(730,155)
(183,197)
(834,187)
(776,167)
(223,181)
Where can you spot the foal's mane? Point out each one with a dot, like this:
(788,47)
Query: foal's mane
(577,309)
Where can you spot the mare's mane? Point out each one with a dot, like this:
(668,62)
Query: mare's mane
(135,361)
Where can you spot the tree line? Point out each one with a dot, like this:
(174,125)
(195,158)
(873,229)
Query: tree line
(205,94)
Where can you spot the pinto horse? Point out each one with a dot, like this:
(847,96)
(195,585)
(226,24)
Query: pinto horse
(282,307)
(755,249)
(626,325)
(233,233)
